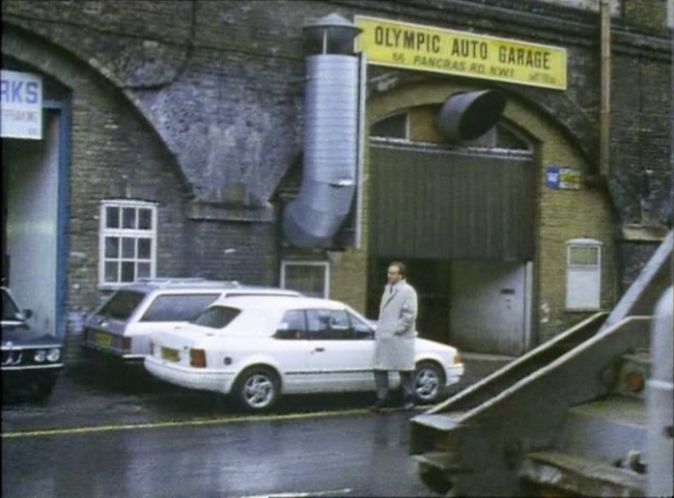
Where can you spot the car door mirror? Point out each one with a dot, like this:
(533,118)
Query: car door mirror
(23,315)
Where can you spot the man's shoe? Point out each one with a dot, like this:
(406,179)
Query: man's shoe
(378,406)
(409,405)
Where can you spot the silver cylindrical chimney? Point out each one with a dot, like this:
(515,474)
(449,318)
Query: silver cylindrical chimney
(331,107)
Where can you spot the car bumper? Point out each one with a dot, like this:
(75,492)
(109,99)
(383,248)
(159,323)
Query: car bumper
(18,378)
(205,379)
(113,353)
(453,374)
(112,347)
(33,369)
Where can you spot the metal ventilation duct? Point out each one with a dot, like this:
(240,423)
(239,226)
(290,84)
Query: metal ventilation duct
(465,116)
(330,151)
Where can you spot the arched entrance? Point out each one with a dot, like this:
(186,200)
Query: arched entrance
(462,218)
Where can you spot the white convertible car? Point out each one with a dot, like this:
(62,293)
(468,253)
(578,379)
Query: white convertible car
(258,348)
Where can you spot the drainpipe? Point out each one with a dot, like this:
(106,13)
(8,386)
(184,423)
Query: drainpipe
(605,112)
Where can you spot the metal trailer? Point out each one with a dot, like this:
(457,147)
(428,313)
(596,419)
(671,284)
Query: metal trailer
(588,413)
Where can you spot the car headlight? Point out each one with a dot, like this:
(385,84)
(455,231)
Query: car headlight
(53,355)
(40,356)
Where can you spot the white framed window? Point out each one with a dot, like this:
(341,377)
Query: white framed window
(311,278)
(583,274)
(127,242)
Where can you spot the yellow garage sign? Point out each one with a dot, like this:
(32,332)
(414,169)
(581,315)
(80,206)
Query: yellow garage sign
(424,48)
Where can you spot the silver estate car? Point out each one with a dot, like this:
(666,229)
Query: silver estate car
(121,327)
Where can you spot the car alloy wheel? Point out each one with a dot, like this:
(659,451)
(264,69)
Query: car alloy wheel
(258,388)
(429,380)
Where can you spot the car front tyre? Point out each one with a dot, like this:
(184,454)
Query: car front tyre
(258,388)
(43,390)
(429,382)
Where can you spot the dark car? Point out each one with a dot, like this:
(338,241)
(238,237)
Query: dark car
(31,360)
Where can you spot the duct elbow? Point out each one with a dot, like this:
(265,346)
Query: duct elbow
(314,217)
(468,115)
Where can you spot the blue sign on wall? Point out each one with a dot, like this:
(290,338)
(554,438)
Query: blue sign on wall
(562,178)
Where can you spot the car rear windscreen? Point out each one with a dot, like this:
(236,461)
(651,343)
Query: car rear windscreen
(178,307)
(217,317)
(122,304)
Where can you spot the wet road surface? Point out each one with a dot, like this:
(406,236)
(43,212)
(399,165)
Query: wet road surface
(336,455)
(128,435)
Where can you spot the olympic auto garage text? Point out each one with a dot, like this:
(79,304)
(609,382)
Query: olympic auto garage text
(431,44)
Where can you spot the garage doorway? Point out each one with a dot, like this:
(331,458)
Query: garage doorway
(34,222)
(463,222)
(477,306)
(430,278)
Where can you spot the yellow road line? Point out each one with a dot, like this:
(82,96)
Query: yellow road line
(182,423)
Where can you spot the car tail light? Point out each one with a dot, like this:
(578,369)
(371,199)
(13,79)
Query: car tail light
(198,358)
(457,358)
(126,344)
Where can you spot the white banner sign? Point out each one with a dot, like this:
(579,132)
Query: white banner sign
(21,105)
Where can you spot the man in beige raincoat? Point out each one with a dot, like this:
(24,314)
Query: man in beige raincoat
(394,339)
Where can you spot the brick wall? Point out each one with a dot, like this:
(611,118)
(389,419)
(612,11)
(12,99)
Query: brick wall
(201,101)
(222,82)
(114,154)
(234,251)
(650,15)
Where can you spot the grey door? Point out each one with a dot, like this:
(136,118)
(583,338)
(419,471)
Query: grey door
(448,205)
(487,306)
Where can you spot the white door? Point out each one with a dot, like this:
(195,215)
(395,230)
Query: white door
(32,223)
(290,348)
(340,357)
(487,307)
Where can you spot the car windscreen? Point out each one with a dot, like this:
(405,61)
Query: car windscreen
(217,317)
(122,304)
(9,309)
